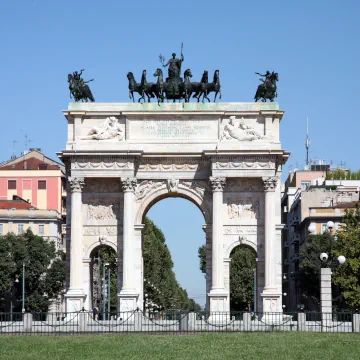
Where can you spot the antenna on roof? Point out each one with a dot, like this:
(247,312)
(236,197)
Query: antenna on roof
(27,141)
(307,141)
(13,150)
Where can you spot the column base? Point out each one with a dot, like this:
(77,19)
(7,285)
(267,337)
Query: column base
(219,300)
(127,304)
(271,301)
(75,299)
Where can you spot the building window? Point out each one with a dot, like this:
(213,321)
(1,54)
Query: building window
(42,166)
(11,184)
(324,228)
(41,229)
(20,228)
(42,184)
(1,229)
(305,185)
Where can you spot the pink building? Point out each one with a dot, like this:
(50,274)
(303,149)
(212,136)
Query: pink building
(40,182)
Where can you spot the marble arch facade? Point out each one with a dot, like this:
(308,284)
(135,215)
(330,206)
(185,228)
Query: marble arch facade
(122,158)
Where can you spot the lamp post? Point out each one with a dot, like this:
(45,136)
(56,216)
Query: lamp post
(23,289)
(328,261)
(109,292)
(104,290)
(11,296)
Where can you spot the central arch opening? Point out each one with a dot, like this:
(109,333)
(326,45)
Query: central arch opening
(172,236)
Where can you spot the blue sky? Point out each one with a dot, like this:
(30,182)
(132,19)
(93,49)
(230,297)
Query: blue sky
(313,45)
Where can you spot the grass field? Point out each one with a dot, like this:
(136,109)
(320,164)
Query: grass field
(249,346)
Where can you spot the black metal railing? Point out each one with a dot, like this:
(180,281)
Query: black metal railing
(168,322)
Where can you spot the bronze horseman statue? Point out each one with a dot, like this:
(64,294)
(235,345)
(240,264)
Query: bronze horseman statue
(174,87)
(267,90)
(79,90)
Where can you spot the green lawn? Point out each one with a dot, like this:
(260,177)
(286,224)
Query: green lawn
(249,346)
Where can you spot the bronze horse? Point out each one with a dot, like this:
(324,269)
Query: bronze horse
(143,88)
(206,88)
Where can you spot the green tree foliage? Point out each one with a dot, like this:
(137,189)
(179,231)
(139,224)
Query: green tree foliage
(160,283)
(202,258)
(109,256)
(44,276)
(347,275)
(340,174)
(243,263)
(310,265)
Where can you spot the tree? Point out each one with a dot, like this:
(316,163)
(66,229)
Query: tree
(347,275)
(109,256)
(45,271)
(160,285)
(202,257)
(243,263)
(310,265)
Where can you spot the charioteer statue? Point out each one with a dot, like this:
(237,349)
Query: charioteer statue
(174,87)
(267,90)
(79,90)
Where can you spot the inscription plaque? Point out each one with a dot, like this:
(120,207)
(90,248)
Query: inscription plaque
(173,129)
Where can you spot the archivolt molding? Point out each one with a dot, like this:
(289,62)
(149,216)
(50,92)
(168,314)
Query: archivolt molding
(149,191)
(242,240)
(101,241)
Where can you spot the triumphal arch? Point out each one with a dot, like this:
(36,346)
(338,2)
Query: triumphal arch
(226,158)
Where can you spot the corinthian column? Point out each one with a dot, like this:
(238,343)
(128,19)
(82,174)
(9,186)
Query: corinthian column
(218,296)
(75,295)
(271,295)
(128,294)
(270,184)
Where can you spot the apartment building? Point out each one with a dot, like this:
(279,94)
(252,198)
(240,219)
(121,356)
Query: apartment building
(33,195)
(309,199)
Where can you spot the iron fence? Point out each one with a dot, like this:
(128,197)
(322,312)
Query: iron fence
(171,322)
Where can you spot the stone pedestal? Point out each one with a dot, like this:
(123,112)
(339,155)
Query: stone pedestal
(326,294)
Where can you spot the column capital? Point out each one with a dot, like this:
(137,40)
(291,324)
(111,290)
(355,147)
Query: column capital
(270,183)
(128,184)
(76,184)
(217,183)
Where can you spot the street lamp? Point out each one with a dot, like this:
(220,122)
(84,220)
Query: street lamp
(104,290)
(23,289)
(109,292)
(325,273)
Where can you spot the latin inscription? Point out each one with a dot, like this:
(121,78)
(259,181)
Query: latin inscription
(173,129)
